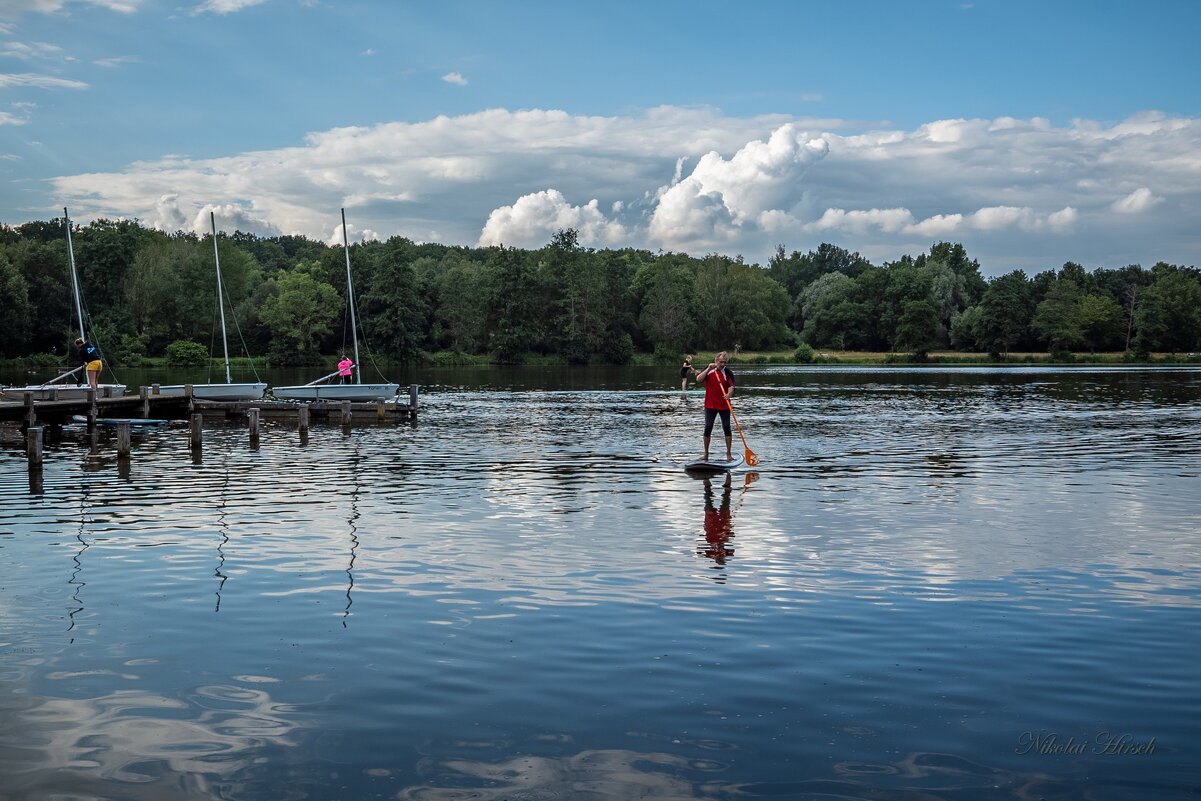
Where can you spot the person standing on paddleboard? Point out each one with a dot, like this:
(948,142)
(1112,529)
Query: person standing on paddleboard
(684,371)
(719,388)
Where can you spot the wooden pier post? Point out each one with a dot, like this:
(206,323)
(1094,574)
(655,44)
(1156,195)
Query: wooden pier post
(31,414)
(144,394)
(302,418)
(53,393)
(196,436)
(379,410)
(252,423)
(92,412)
(187,393)
(33,447)
(412,401)
(154,389)
(123,440)
(347,415)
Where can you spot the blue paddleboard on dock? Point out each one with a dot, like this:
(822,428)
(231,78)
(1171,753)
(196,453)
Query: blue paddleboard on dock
(112,421)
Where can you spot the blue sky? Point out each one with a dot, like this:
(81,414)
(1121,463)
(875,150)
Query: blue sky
(1032,132)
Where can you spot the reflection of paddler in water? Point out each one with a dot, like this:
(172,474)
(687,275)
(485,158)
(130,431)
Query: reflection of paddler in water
(719,518)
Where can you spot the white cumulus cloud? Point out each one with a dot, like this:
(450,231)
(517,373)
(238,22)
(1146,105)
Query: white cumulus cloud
(455,78)
(1137,201)
(533,219)
(170,215)
(721,196)
(1022,192)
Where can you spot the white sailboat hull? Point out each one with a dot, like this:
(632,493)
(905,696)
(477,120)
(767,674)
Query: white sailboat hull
(337,392)
(219,392)
(43,392)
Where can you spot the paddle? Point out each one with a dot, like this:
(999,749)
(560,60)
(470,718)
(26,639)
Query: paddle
(751,458)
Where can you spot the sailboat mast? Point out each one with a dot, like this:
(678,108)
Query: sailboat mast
(74,276)
(354,328)
(220,298)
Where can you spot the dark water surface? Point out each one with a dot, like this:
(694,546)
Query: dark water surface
(939,584)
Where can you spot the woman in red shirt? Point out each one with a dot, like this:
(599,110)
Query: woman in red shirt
(719,388)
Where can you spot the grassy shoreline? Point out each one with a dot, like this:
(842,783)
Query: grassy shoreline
(820,357)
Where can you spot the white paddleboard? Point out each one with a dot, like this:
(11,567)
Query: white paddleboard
(112,421)
(713,465)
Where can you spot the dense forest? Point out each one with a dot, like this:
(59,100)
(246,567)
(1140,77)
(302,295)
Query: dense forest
(146,290)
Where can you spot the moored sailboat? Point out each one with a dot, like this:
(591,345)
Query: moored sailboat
(55,387)
(357,391)
(229,391)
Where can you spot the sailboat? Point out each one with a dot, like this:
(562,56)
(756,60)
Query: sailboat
(358,391)
(53,387)
(229,391)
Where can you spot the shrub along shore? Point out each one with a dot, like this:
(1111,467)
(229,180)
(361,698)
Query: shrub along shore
(46,362)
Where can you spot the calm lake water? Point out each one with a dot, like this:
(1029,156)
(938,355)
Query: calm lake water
(938,584)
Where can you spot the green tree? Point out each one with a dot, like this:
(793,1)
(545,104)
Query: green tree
(1101,322)
(955,257)
(104,253)
(738,304)
(667,303)
(965,329)
(756,307)
(833,317)
(392,307)
(1168,317)
(948,291)
(920,330)
(1125,285)
(587,295)
(43,265)
(797,271)
(1005,312)
(299,312)
(186,353)
(15,314)
(460,290)
(1056,319)
(514,313)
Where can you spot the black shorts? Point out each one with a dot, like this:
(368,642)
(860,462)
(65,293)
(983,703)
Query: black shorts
(711,415)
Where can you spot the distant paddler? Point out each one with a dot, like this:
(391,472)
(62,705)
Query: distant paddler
(685,369)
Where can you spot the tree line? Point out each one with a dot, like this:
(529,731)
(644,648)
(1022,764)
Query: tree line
(146,289)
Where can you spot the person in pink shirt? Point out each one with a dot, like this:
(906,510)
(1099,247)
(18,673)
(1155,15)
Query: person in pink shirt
(344,368)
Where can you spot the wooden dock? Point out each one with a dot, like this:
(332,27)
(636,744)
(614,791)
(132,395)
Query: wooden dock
(37,419)
(148,404)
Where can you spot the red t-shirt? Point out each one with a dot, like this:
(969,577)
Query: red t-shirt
(716,383)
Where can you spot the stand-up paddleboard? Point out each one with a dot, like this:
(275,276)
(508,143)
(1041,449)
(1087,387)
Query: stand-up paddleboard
(112,421)
(713,465)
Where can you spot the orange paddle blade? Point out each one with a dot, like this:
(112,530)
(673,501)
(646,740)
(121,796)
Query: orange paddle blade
(751,458)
